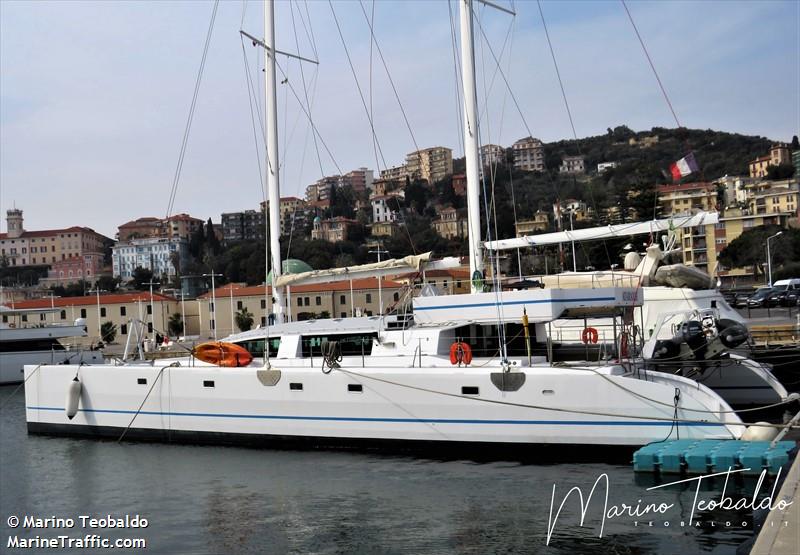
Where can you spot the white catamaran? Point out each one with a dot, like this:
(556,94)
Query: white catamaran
(456,371)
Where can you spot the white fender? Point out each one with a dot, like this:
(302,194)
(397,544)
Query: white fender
(73,398)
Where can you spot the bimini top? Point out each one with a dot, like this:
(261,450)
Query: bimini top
(541,305)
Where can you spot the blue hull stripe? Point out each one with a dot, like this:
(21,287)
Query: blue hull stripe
(395,420)
(510,303)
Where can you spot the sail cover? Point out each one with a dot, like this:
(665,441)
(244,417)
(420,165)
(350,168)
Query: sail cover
(606,232)
(385,267)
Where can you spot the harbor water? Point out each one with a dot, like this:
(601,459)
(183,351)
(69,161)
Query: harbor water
(202,499)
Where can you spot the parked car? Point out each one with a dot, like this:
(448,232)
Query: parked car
(759,298)
(740,299)
(784,293)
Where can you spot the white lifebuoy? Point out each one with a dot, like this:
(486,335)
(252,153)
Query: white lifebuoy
(73,398)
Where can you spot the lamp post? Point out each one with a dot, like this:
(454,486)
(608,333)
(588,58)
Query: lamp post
(379,251)
(151,283)
(97,291)
(183,314)
(230,291)
(53,304)
(212,275)
(769,257)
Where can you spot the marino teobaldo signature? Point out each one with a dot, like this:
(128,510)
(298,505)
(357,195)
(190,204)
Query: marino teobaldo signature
(639,509)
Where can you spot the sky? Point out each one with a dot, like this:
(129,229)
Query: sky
(94,96)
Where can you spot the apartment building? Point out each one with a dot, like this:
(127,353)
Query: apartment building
(430,164)
(160,255)
(528,154)
(686,198)
(332,229)
(395,173)
(293,212)
(451,224)
(492,155)
(778,155)
(178,225)
(538,224)
(87,268)
(29,248)
(572,165)
(360,180)
(243,226)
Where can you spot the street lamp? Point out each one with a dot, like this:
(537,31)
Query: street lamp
(379,251)
(230,290)
(151,283)
(212,275)
(53,305)
(769,257)
(97,291)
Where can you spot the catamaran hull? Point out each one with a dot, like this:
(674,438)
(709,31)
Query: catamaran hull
(202,404)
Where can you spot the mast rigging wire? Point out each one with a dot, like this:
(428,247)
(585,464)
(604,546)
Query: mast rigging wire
(190,117)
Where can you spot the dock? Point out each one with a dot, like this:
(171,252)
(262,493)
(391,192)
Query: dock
(780,534)
(693,456)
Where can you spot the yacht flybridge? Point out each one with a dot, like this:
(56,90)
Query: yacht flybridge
(22,344)
(456,370)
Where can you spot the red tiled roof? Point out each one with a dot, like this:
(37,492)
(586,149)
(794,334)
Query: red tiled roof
(668,188)
(49,232)
(256,290)
(184,217)
(89,300)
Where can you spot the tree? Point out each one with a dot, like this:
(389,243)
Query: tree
(783,171)
(244,319)
(108,283)
(108,332)
(175,324)
(795,143)
(142,276)
(749,249)
(212,243)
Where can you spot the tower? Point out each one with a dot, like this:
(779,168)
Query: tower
(14,223)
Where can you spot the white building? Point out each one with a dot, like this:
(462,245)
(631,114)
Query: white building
(384,208)
(492,155)
(152,253)
(603,166)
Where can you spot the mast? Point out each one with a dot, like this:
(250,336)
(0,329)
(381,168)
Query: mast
(273,178)
(471,140)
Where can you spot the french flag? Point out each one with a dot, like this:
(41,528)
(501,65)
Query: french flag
(683,167)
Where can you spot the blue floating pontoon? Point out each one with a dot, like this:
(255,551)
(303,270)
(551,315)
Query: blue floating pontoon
(702,456)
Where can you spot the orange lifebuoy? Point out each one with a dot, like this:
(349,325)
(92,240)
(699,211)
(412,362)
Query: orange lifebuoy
(460,352)
(227,355)
(589,335)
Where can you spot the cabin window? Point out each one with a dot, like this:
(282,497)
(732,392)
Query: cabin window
(141,381)
(469,390)
(256,346)
(354,344)
(294,386)
(355,388)
(208,383)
